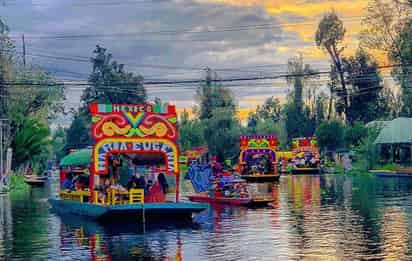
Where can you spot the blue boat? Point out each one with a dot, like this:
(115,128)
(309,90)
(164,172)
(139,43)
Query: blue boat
(151,211)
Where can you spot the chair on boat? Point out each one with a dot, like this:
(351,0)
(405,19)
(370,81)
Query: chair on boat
(136,196)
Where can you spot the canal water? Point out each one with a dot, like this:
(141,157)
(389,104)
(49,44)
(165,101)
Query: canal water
(329,217)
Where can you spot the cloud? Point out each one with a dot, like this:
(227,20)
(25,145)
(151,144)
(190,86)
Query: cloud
(245,38)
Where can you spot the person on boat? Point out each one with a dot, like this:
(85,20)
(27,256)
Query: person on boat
(68,182)
(163,183)
(216,166)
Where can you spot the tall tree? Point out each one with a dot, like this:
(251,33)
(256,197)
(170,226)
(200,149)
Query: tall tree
(211,94)
(366,83)
(217,114)
(329,36)
(297,116)
(389,29)
(110,83)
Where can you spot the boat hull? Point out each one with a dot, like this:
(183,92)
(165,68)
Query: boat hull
(391,174)
(261,178)
(229,201)
(165,211)
(306,171)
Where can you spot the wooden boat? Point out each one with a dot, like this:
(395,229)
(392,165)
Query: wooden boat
(36,181)
(204,197)
(258,160)
(131,130)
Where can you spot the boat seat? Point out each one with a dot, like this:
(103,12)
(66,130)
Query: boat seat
(136,196)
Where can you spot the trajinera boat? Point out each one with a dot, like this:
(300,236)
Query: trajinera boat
(258,161)
(305,156)
(140,140)
(225,188)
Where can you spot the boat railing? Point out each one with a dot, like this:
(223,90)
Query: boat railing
(112,197)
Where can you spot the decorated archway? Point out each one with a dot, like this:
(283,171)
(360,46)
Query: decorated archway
(134,129)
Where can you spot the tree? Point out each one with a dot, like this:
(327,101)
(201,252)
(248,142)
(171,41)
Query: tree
(329,36)
(330,135)
(389,29)
(59,143)
(217,115)
(354,135)
(221,132)
(297,116)
(364,77)
(31,140)
(190,132)
(78,134)
(110,83)
(404,73)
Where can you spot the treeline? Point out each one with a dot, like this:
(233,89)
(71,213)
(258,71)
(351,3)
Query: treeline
(28,106)
(354,94)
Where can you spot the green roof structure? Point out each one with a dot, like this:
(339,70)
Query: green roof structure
(396,131)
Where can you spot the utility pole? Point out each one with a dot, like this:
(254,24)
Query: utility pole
(24,51)
(1,155)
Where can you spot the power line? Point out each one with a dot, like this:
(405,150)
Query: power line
(223,29)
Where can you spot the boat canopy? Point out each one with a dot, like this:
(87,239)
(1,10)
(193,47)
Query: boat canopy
(251,145)
(78,158)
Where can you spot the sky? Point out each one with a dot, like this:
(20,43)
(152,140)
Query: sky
(177,39)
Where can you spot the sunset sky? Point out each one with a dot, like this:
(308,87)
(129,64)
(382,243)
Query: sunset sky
(176,39)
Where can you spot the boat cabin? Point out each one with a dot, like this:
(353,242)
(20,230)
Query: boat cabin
(258,157)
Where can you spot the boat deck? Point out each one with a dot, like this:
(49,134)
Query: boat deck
(166,210)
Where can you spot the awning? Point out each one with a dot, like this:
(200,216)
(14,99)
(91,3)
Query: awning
(79,158)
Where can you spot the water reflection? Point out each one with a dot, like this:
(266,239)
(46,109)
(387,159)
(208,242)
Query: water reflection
(312,218)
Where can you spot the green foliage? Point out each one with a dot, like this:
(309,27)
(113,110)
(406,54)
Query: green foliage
(367,150)
(30,142)
(330,135)
(364,77)
(110,83)
(268,119)
(404,73)
(190,132)
(213,95)
(17,183)
(221,133)
(354,135)
(78,134)
(59,143)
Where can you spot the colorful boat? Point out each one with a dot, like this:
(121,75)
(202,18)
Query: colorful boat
(258,159)
(233,192)
(305,156)
(143,134)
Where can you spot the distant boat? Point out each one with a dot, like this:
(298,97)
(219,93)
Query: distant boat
(37,181)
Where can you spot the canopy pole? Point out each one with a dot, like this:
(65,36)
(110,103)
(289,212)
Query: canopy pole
(177,186)
(91,184)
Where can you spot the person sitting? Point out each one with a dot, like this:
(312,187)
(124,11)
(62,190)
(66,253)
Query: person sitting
(163,183)
(68,182)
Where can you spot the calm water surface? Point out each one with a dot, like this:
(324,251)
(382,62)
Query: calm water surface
(314,218)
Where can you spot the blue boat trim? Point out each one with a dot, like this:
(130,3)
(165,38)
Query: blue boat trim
(99,211)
